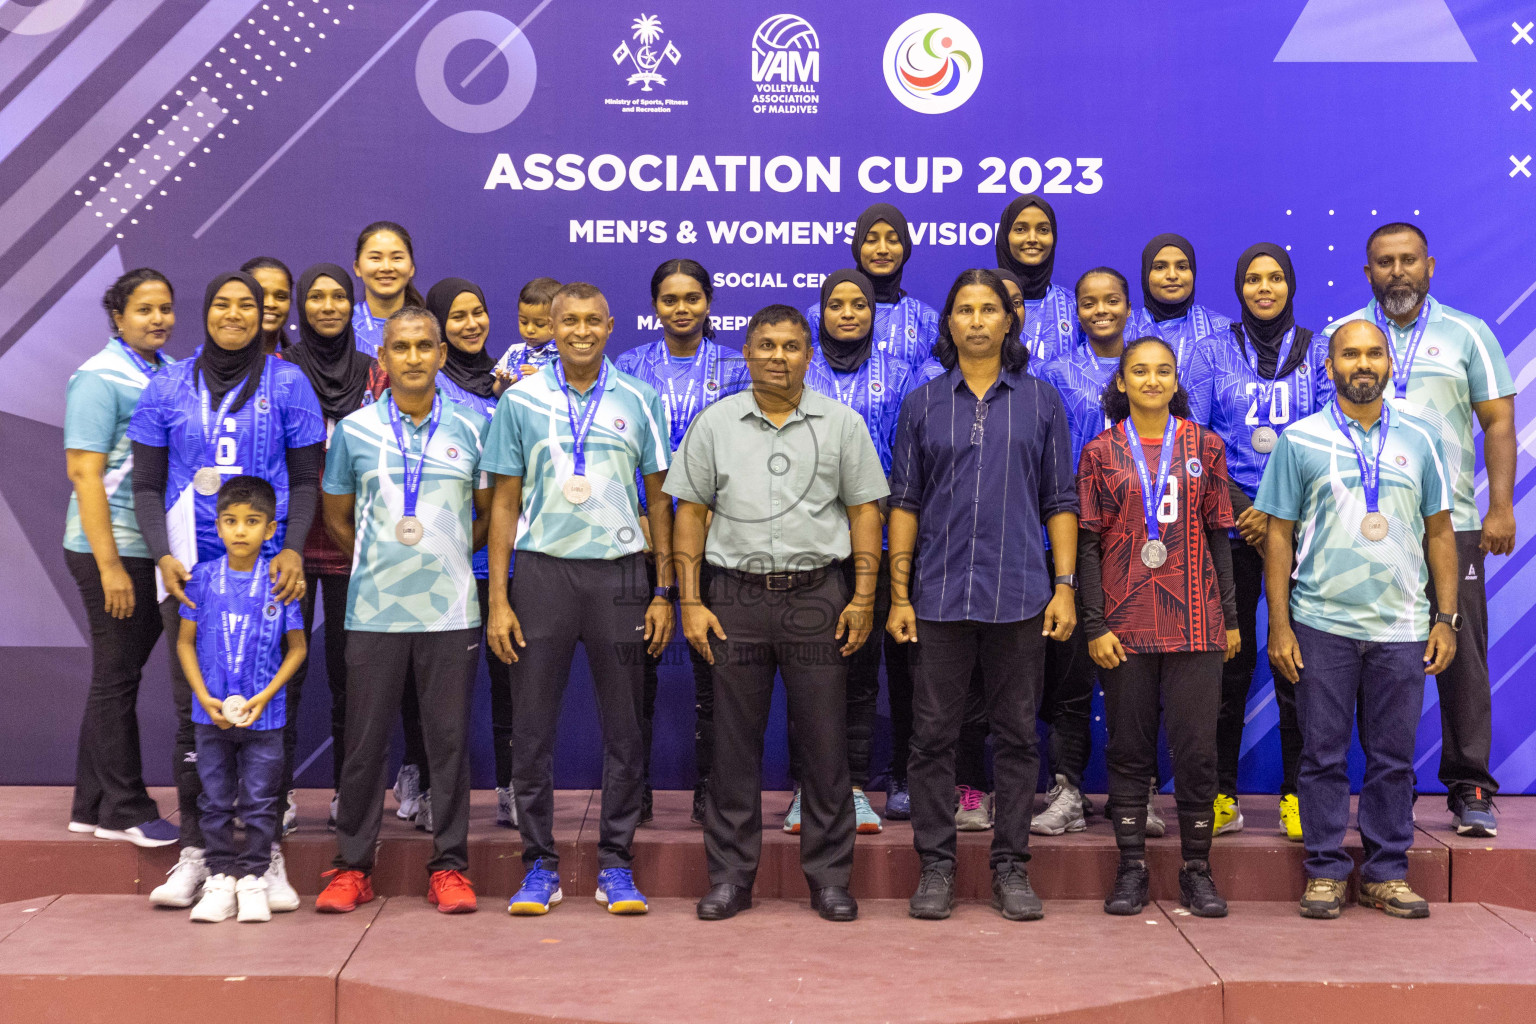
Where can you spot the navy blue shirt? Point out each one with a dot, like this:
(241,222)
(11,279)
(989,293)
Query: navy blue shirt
(982,476)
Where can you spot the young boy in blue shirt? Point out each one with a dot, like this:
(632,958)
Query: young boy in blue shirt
(231,649)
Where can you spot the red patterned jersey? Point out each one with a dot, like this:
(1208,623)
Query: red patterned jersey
(1177,606)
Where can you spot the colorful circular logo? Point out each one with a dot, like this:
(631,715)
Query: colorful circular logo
(1193,467)
(270,611)
(1402,460)
(618,423)
(874,386)
(932,63)
(453,453)
(1434,350)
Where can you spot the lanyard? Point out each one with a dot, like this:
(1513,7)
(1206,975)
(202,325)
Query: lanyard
(1403,367)
(1052,314)
(204,402)
(1266,388)
(863,383)
(143,365)
(1152,497)
(680,412)
(1370,472)
(412,475)
(580,426)
(236,628)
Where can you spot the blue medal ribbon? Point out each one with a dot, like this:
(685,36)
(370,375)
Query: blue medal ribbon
(860,394)
(235,626)
(205,402)
(1151,496)
(680,412)
(411,481)
(580,426)
(1266,388)
(143,365)
(1403,367)
(1370,472)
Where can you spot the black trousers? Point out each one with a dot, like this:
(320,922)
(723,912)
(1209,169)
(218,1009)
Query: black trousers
(501,695)
(1011,657)
(109,770)
(1466,699)
(1237,679)
(1066,703)
(703,694)
(332,589)
(444,667)
(189,787)
(600,603)
(790,633)
(1187,686)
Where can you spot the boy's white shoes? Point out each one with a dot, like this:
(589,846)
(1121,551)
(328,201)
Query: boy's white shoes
(251,895)
(218,902)
(180,889)
(281,896)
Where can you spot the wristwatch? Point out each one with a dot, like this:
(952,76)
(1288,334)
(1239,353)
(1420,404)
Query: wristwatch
(1069,580)
(1453,620)
(666,593)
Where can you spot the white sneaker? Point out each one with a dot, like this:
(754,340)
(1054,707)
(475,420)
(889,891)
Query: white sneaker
(424,813)
(251,895)
(180,888)
(218,902)
(1156,826)
(330,822)
(506,807)
(281,896)
(291,815)
(408,792)
(1064,812)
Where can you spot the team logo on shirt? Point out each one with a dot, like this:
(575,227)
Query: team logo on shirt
(1066,328)
(270,611)
(932,63)
(1193,467)
(875,387)
(711,385)
(261,403)
(1434,350)
(1401,460)
(453,453)
(911,333)
(618,423)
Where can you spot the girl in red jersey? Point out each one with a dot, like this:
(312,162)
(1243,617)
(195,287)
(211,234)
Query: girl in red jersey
(1158,597)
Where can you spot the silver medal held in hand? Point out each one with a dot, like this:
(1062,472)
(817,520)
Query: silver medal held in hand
(234,707)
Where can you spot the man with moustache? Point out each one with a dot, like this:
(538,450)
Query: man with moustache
(1365,478)
(1449,364)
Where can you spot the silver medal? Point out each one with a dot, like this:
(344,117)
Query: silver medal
(207,481)
(234,707)
(1374,526)
(1264,439)
(1154,553)
(409,531)
(577,489)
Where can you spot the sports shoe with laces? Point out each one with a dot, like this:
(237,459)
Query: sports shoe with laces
(451,893)
(540,891)
(184,879)
(345,892)
(898,802)
(1063,812)
(1323,899)
(155,832)
(506,807)
(251,898)
(868,822)
(935,895)
(218,902)
(1197,890)
(1129,896)
(424,813)
(616,891)
(281,896)
(1156,826)
(1471,813)
(973,810)
(1014,897)
(1394,897)
(1229,816)
(291,814)
(407,792)
(1290,817)
(792,816)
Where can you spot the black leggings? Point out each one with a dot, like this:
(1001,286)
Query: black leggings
(333,591)
(1187,686)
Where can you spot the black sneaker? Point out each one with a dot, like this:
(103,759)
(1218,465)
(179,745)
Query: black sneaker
(647,805)
(1197,890)
(697,817)
(1472,813)
(1014,897)
(1129,896)
(935,895)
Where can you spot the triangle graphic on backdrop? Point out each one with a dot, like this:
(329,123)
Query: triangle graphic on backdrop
(1375,31)
(36,369)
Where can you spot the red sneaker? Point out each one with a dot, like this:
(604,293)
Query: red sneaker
(346,890)
(452,893)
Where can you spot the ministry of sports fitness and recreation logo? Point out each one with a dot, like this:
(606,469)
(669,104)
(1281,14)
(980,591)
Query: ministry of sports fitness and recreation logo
(932,63)
(786,66)
(646,58)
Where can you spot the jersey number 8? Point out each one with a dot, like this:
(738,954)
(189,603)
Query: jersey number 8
(1168,511)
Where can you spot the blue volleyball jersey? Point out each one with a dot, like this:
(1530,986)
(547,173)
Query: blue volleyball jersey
(283,413)
(240,628)
(367,330)
(1183,334)
(874,391)
(904,330)
(1080,376)
(1050,324)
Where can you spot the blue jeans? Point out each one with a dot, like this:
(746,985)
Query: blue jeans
(1386,682)
(241,771)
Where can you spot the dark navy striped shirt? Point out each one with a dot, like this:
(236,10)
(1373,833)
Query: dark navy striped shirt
(981,476)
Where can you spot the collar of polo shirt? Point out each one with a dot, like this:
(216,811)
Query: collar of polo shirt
(812,403)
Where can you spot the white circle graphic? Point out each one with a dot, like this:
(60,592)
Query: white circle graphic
(441,99)
(932,63)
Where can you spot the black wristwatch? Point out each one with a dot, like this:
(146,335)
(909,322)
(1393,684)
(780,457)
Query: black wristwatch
(1070,580)
(668,593)
(1453,620)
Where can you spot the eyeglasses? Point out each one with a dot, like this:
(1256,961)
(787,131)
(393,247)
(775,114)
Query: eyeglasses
(979,423)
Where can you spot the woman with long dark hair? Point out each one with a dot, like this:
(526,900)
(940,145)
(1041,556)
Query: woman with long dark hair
(1159,610)
(111,564)
(384,259)
(1170,311)
(1026,246)
(276,282)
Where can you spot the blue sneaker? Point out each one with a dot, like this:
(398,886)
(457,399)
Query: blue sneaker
(898,802)
(1471,814)
(539,892)
(616,890)
(867,822)
(155,832)
(792,816)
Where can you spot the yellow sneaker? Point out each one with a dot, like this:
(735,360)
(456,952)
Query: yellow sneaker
(1290,817)
(1229,817)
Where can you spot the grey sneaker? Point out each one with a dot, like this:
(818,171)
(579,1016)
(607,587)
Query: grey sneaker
(1156,826)
(973,810)
(408,792)
(291,814)
(424,813)
(1063,813)
(506,809)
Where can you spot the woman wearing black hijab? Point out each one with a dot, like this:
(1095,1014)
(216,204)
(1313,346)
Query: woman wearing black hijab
(1247,384)
(1168,289)
(905,327)
(327,353)
(847,367)
(1026,247)
(232,410)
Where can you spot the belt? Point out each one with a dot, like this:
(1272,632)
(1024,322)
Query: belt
(782,580)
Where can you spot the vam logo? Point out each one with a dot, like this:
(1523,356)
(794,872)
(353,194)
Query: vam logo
(786,66)
(932,63)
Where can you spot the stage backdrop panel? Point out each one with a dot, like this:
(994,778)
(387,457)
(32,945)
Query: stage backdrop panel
(587,140)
